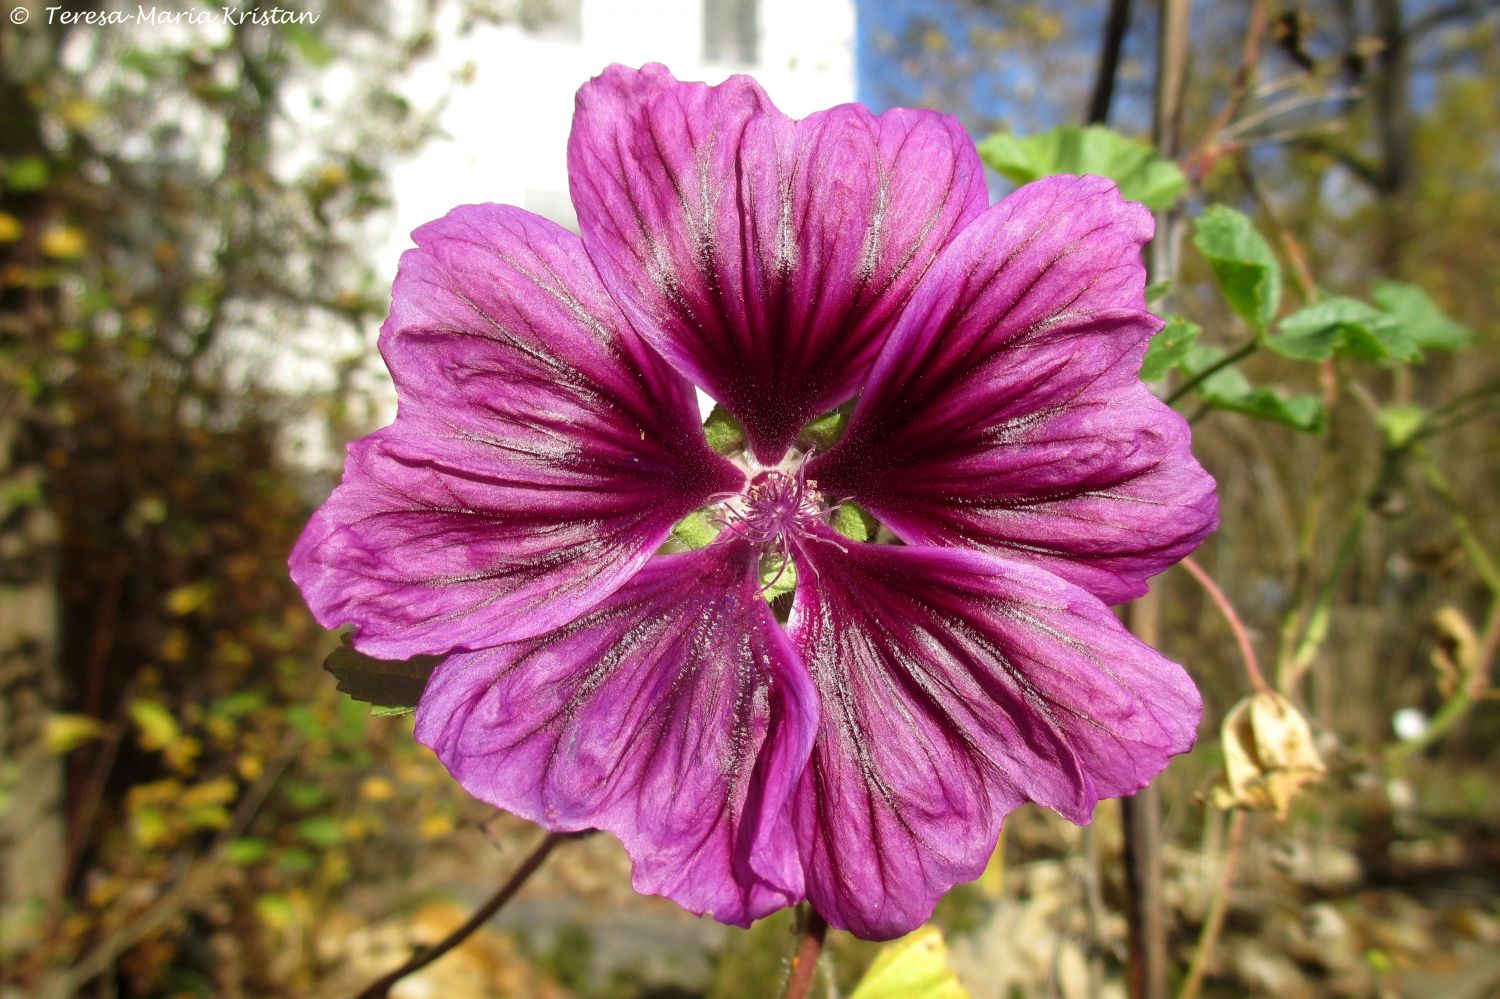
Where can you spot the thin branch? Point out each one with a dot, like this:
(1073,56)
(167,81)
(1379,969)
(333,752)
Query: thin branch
(1241,635)
(1321,145)
(1233,357)
(805,962)
(381,987)
(1287,106)
(1255,31)
(1484,564)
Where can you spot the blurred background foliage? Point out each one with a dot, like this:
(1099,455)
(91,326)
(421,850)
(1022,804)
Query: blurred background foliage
(188,807)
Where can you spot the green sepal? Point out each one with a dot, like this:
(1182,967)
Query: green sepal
(390,710)
(770,569)
(824,432)
(854,522)
(724,433)
(695,531)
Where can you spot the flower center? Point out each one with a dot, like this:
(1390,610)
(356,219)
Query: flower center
(776,507)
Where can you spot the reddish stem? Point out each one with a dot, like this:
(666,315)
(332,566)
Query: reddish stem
(1247,648)
(805,961)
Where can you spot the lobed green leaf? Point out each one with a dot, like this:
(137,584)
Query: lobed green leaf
(1346,327)
(1071,149)
(1420,318)
(1243,264)
(1169,348)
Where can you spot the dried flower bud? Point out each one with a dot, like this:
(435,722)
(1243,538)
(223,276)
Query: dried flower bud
(1268,755)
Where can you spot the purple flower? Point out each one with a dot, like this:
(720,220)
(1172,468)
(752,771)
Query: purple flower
(863,752)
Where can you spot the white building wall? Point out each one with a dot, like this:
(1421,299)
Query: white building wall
(506,130)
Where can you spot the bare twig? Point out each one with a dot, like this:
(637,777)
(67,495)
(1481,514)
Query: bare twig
(1208,147)
(381,987)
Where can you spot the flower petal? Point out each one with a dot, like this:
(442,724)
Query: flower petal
(1005,412)
(956,685)
(766,258)
(541,453)
(675,715)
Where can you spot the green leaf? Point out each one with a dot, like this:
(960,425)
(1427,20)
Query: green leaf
(1243,264)
(914,967)
(246,850)
(157,725)
(1401,423)
(29,173)
(725,435)
(1230,390)
(382,711)
(237,705)
(321,831)
(1169,348)
(1142,175)
(1420,318)
(312,48)
(1343,326)
(389,683)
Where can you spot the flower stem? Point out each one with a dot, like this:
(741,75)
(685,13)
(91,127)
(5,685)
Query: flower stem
(381,987)
(805,962)
(1214,921)
(1247,648)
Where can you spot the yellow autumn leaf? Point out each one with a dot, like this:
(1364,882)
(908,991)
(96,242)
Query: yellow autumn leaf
(158,726)
(64,243)
(914,967)
(190,598)
(63,733)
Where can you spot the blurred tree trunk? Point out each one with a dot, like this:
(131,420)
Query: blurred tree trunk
(31,781)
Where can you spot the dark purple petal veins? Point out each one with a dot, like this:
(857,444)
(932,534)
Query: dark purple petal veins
(540,455)
(1005,412)
(766,258)
(674,715)
(954,686)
